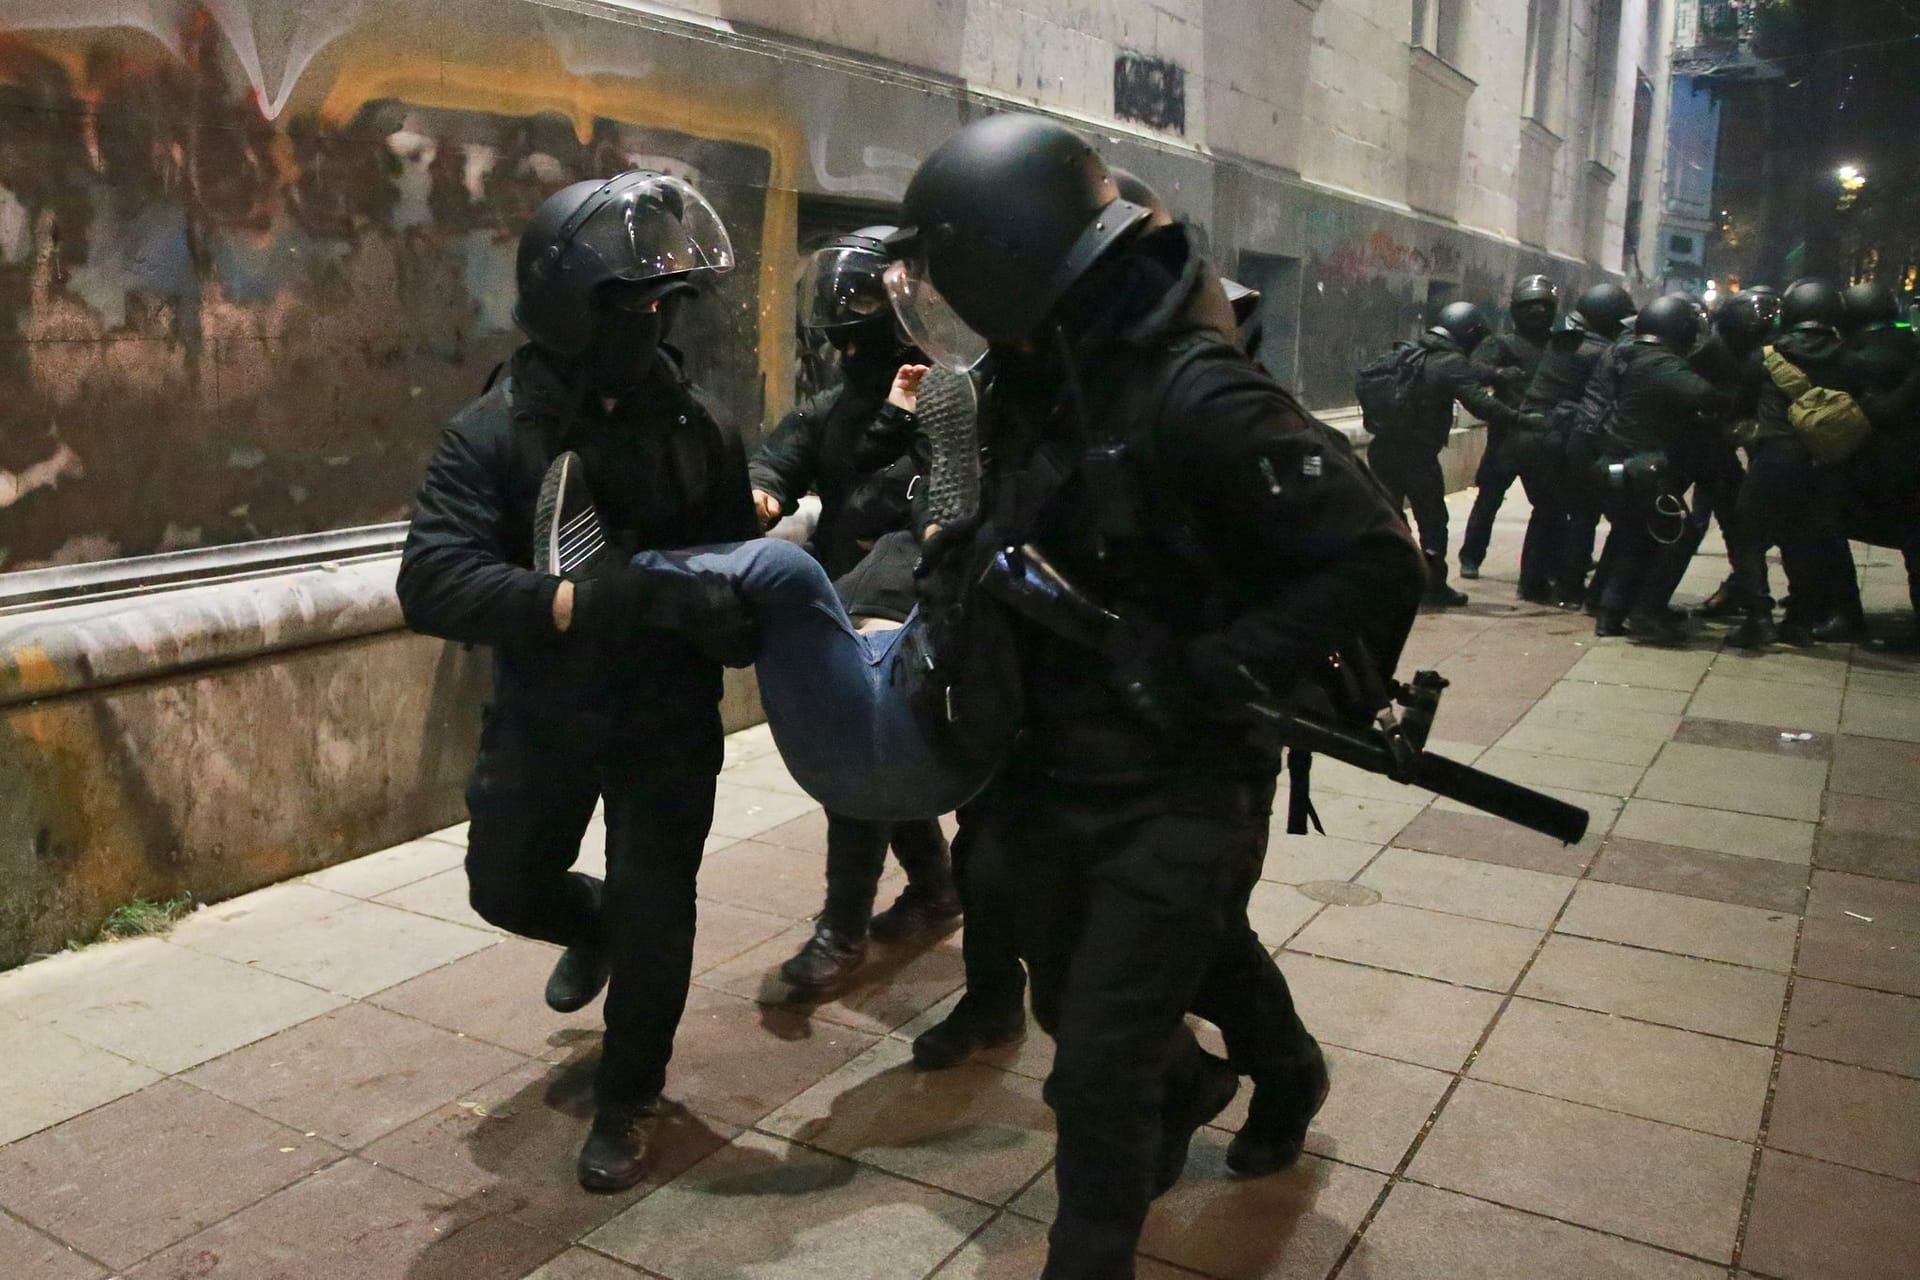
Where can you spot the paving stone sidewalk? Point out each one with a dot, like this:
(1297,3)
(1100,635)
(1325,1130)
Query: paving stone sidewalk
(1688,1048)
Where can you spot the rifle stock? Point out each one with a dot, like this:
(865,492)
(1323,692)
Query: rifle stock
(1532,809)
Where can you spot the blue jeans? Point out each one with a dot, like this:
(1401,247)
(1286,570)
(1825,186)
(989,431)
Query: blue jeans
(836,700)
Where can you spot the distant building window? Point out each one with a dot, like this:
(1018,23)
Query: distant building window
(1682,245)
(1545,39)
(1436,27)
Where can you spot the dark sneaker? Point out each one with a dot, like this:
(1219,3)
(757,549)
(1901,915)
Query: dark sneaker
(1610,622)
(828,957)
(966,1031)
(1183,1117)
(1469,568)
(1278,1116)
(917,915)
(567,537)
(615,1155)
(579,976)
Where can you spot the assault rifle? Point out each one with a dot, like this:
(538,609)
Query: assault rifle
(1355,715)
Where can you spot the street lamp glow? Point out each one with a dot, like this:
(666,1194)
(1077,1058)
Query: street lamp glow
(1852,178)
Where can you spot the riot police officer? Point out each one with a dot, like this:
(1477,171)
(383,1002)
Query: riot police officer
(846,444)
(1135,446)
(609,689)
(1788,500)
(1560,530)
(1405,450)
(1532,309)
(1884,479)
(1730,358)
(1655,443)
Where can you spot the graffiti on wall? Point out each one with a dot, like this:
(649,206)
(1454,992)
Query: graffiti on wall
(253,254)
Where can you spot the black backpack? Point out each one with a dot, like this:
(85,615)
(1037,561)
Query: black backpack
(1388,389)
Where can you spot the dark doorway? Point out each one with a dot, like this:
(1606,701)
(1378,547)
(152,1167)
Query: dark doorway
(1278,280)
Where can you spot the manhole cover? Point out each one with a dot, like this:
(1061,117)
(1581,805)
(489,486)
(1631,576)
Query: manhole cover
(1339,893)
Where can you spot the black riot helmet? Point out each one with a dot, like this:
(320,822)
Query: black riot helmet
(1603,309)
(640,228)
(1672,322)
(1534,305)
(1809,305)
(1871,303)
(1134,190)
(1465,323)
(1747,319)
(845,286)
(1001,220)
(1535,288)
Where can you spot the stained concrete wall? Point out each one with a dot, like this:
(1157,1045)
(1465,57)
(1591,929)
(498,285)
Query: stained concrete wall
(253,252)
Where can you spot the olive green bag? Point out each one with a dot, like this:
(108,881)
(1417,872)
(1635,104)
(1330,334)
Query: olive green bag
(1830,422)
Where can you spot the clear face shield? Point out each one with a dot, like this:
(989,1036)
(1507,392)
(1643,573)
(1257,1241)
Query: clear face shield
(843,286)
(658,226)
(932,324)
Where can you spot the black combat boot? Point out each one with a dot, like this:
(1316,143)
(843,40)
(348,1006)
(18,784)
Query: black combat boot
(579,976)
(1609,622)
(828,957)
(1439,595)
(1278,1116)
(1205,1094)
(1845,625)
(581,972)
(1756,631)
(917,913)
(1469,569)
(1723,603)
(614,1157)
(970,1028)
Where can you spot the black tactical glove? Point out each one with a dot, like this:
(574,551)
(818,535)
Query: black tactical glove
(1512,377)
(727,630)
(1165,679)
(611,605)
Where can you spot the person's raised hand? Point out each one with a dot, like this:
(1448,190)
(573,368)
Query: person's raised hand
(906,386)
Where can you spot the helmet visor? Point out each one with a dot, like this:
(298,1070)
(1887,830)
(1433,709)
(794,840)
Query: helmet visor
(843,286)
(932,324)
(650,228)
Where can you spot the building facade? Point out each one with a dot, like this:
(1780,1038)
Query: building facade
(254,252)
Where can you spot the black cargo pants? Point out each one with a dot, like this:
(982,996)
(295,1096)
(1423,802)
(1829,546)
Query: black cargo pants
(1131,911)
(531,796)
(1409,470)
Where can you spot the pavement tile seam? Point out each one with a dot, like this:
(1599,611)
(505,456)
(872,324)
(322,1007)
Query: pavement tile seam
(1566,1222)
(1399,1172)
(1773,1083)
(1836,1164)
(25,1225)
(1661,951)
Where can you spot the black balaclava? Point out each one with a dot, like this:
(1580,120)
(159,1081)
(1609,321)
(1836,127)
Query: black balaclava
(1532,319)
(629,325)
(870,354)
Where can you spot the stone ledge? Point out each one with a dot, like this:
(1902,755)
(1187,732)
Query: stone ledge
(89,645)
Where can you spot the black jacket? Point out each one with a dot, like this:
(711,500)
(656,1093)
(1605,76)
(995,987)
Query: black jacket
(663,475)
(1232,519)
(1566,364)
(1739,376)
(1883,356)
(1658,406)
(836,444)
(1510,351)
(1449,377)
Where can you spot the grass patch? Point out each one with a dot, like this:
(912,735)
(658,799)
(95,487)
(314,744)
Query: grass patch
(139,918)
